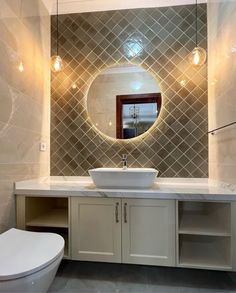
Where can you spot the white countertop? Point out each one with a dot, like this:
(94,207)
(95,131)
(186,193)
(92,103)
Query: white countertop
(164,188)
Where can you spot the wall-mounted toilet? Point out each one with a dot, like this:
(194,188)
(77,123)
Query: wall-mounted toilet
(29,260)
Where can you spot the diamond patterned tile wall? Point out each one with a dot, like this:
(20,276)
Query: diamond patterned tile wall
(89,42)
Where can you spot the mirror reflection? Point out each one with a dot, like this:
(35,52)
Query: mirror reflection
(124,101)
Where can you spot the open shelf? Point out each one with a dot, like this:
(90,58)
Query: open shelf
(61,231)
(208,252)
(52,218)
(204,235)
(48,214)
(204,218)
(201,225)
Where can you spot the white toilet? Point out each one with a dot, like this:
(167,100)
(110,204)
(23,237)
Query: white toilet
(29,260)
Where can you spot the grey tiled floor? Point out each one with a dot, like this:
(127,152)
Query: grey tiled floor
(89,277)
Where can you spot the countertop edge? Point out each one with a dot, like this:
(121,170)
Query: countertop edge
(178,189)
(124,194)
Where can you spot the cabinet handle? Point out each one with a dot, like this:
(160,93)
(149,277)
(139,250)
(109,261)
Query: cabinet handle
(125,213)
(117,212)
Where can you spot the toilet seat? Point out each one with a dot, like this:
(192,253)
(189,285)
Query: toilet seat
(23,253)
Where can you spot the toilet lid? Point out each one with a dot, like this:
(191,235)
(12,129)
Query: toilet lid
(23,252)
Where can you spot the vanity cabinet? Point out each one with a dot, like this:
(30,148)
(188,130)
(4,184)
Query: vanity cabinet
(96,229)
(138,231)
(182,233)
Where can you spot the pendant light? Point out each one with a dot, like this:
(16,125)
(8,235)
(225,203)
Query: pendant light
(20,64)
(56,61)
(198,56)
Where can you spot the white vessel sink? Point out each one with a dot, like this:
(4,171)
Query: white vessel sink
(123,178)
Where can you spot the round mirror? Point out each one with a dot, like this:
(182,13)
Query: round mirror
(124,101)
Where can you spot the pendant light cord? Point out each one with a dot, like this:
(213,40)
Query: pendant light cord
(21,10)
(196,11)
(57,30)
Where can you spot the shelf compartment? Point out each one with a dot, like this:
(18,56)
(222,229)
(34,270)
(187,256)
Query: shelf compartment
(52,218)
(204,218)
(209,252)
(46,212)
(64,232)
(49,214)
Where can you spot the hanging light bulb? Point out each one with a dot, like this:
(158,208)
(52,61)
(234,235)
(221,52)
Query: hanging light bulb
(56,61)
(198,56)
(21,66)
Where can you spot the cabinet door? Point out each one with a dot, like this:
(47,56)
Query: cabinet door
(96,229)
(148,232)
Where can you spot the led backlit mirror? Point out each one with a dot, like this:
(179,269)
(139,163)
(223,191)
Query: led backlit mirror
(124,101)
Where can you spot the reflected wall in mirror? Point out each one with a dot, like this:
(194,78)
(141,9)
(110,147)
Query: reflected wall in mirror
(124,101)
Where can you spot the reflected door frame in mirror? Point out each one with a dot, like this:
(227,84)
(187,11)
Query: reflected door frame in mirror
(133,99)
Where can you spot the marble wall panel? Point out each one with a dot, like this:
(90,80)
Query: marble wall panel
(24,98)
(222,87)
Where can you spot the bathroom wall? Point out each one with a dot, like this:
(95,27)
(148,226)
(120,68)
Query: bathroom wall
(163,37)
(222,89)
(24,97)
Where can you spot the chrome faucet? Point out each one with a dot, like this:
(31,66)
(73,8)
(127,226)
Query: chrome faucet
(124,161)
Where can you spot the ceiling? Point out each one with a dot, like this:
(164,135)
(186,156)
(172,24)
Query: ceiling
(76,6)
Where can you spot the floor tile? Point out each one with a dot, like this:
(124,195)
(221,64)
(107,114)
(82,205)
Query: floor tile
(88,277)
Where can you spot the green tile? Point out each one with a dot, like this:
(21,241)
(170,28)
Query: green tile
(177,146)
